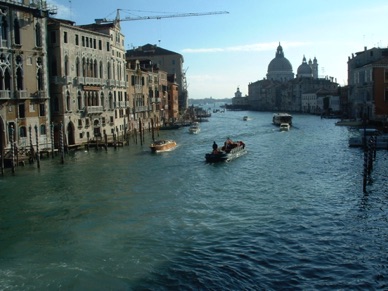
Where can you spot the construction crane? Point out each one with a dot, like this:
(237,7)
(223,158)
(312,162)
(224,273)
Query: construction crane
(130,18)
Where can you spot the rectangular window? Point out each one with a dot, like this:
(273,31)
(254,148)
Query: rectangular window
(76,39)
(53,37)
(83,41)
(107,46)
(100,44)
(42,109)
(80,123)
(65,36)
(22,111)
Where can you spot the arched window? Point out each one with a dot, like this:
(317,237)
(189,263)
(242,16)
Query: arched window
(79,101)
(110,100)
(77,67)
(101,70)
(7,80)
(4,28)
(38,35)
(16,28)
(84,68)
(66,66)
(68,101)
(39,76)
(102,100)
(109,71)
(19,79)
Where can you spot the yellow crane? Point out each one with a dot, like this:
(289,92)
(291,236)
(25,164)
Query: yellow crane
(131,18)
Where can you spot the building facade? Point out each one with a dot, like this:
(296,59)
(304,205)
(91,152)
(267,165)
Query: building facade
(88,81)
(24,95)
(168,61)
(368,84)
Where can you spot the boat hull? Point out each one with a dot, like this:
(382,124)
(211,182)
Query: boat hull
(162,145)
(223,156)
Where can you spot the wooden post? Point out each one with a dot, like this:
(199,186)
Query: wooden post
(62,149)
(12,150)
(37,146)
(141,132)
(32,154)
(152,129)
(365,171)
(52,140)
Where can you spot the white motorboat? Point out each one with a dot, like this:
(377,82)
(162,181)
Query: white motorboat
(284,127)
(194,128)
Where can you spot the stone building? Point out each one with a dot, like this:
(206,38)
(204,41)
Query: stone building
(368,84)
(88,82)
(24,95)
(168,61)
(147,92)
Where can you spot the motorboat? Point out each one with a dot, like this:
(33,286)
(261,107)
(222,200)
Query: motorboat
(162,145)
(284,127)
(279,118)
(362,139)
(227,153)
(194,128)
(245,118)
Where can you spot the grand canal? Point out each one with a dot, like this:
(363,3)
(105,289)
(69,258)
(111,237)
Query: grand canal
(290,214)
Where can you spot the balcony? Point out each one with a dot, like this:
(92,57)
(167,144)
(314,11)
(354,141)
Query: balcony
(4,43)
(22,94)
(92,81)
(94,109)
(5,94)
(121,104)
(155,100)
(141,109)
(65,80)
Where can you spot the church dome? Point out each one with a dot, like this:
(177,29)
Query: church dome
(279,63)
(280,68)
(304,70)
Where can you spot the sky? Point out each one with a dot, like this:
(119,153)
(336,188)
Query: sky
(223,52)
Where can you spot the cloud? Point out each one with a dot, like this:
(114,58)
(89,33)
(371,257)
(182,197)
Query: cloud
(256,47)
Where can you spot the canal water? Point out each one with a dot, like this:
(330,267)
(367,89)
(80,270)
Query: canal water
(290,214)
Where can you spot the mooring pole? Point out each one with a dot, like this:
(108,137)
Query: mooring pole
(12,150)
(37,146)
(62,149)
(52,139)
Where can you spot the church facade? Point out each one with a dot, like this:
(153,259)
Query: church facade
(281,90)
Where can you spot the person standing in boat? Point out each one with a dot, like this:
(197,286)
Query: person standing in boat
(215,148)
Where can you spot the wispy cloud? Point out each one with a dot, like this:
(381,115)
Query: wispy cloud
(256,47)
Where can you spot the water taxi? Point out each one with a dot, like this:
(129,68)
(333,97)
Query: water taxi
(162,145)
(279,118)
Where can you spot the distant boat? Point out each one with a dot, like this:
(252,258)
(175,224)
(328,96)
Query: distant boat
(279,118)
(169,127)
(194,128)
(162,145)
(246,118)
(284,127)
